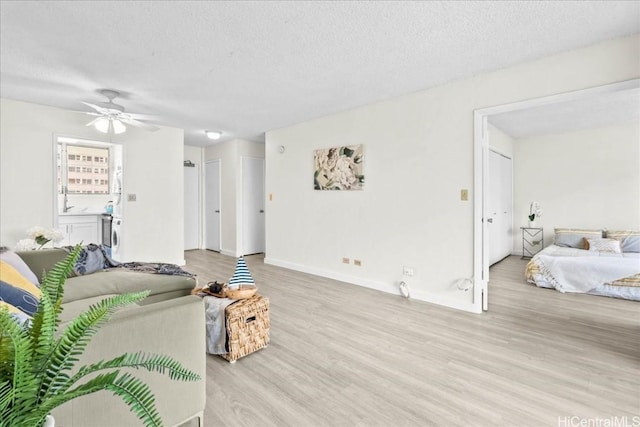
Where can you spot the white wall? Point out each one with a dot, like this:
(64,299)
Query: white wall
(418,156)
(582,179)
(500,141)
(229,153)
(153,227)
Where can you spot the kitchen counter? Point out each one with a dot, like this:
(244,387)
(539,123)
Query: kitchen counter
(80,213)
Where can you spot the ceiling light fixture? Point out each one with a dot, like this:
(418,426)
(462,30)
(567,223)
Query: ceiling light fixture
(107,124)
(213,134)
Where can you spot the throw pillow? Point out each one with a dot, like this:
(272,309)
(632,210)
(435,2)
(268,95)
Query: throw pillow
(17,291)
(604,245)
(16,262)
(629,240)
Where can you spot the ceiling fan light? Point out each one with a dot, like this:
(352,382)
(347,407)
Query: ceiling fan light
(102,125)
(213,134)
(118,127)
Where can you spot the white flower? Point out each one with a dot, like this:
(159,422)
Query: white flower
(53,235)
(35,232)
(42,235)
(25,245)
(534,211)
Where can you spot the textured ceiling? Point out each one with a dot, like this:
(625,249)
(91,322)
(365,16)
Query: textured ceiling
(589,113)
(248,67)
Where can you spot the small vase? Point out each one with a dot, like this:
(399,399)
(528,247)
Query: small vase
(49,421)
(532,224)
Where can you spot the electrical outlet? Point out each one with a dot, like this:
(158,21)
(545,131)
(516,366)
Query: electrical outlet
(131,197)
(346,260)
(464,194)
(407,271)
(357,262)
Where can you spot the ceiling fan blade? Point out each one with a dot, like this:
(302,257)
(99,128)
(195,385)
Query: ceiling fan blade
(93,121)
(90,113)
(139,124)
(95,107)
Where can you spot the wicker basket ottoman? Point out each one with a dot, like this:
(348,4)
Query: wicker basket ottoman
(247,327)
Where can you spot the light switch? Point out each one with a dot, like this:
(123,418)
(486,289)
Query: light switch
(131,197)
(464,194)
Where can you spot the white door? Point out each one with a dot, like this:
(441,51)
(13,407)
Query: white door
(500,200)
(191,207)
(253,240)
(212,205)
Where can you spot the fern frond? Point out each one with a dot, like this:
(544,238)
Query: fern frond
(135,393)
(77,336)
(47,317)
(21,395)
(139,397)
(54,279)
(151,362)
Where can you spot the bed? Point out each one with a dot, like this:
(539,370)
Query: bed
(581,261)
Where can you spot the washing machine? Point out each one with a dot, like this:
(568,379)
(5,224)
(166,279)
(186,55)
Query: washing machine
(116,192)
(116,238)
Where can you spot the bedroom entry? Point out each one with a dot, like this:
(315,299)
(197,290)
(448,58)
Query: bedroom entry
(484,212)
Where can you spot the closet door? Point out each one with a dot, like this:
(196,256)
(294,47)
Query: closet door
(500,200)
(253,226)
(212,205)
(191,207)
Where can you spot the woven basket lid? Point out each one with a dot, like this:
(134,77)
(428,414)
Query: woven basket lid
(241,276)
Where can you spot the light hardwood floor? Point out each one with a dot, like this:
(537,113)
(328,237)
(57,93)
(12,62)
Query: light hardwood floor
(343,355)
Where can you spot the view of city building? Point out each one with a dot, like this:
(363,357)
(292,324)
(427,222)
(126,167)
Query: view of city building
(87,169)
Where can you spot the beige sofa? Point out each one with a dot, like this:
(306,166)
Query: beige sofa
(170,321)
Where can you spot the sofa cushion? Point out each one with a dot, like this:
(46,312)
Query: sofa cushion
(74,308)
(119,281)
(42,260)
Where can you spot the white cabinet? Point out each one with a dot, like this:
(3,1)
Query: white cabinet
(79,229)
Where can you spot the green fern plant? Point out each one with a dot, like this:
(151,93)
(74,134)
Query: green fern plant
(36,361)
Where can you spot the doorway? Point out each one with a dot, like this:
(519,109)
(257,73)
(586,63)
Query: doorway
(212,205)
(482,214)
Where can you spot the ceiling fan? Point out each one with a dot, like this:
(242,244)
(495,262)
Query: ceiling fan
(111,118)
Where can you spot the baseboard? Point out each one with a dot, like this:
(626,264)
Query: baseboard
(372,284)
(227,252)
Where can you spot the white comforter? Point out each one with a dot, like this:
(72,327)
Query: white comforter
(577,270)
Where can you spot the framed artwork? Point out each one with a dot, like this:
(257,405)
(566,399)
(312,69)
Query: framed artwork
(338,168)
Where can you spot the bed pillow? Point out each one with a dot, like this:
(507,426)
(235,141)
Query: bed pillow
(629,240)
(604,245)
(574,238)
(17,292)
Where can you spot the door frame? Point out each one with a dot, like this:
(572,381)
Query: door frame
(204,204)
(480,162)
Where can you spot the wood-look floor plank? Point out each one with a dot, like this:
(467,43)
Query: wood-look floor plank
(344,355)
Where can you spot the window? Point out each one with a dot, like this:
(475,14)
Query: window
(83,157)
